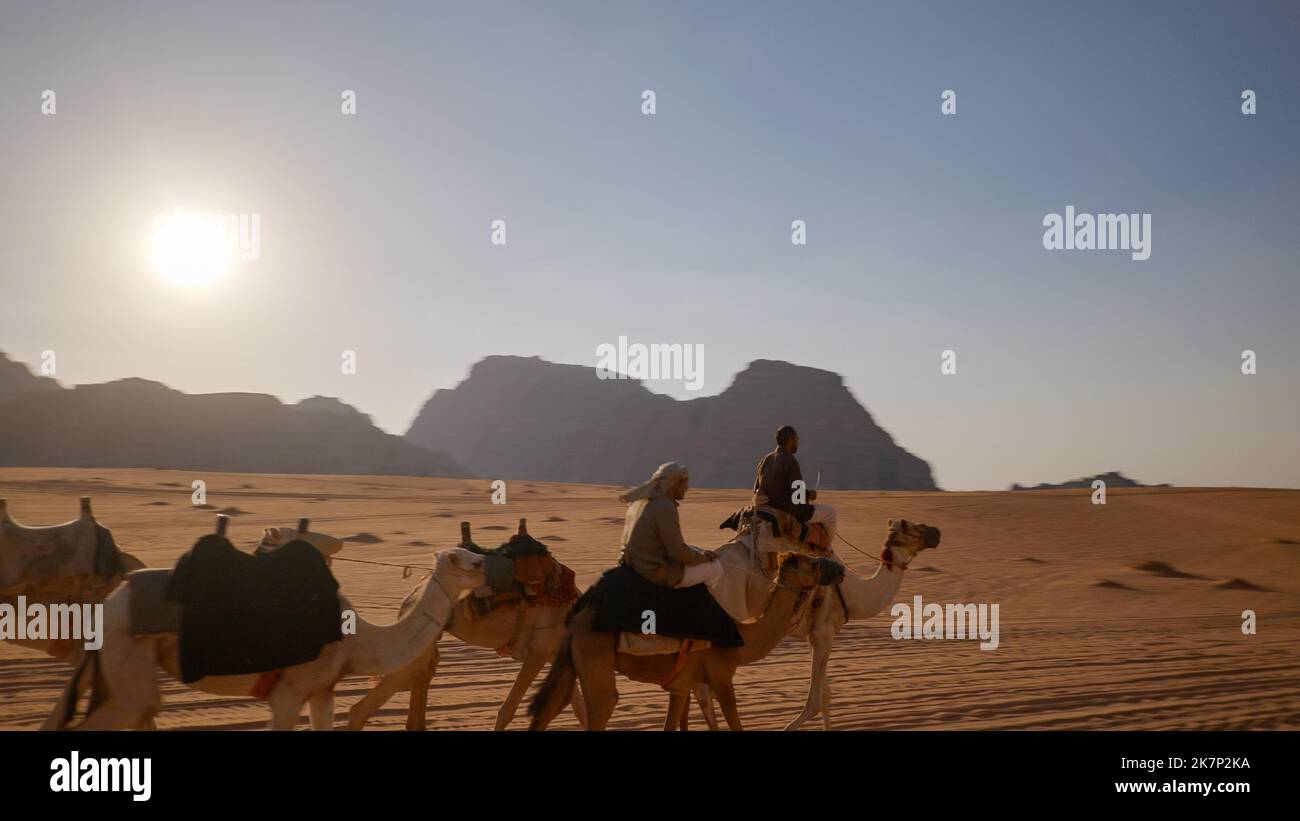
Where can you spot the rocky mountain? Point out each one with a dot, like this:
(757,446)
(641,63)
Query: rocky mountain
(138,423)
(16,379)
(525,418)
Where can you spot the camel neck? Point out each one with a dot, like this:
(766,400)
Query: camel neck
(763,635)
(868,596)
(390,647)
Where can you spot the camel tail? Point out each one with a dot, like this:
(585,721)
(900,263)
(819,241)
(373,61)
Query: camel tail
(557,688)
(65,709)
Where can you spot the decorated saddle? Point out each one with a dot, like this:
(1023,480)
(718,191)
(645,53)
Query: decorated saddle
(521,571)
(783,525)
(237,613)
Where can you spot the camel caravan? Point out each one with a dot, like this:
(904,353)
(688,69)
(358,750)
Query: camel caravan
(273,625)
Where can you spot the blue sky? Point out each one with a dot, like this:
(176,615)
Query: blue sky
(924,231)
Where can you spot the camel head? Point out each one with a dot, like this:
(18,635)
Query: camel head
(274,537)
(802,572)
(459,570)
(906,539)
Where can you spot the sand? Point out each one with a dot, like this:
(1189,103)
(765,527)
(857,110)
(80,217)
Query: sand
(1122,616)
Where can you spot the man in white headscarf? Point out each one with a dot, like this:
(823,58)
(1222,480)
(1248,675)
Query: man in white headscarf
(652,534)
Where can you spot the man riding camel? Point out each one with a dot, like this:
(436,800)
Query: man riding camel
(652,534)
(774,484)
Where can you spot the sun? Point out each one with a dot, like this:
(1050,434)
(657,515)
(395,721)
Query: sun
(190,249)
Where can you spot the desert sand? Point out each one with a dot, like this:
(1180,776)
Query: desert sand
(1122,616)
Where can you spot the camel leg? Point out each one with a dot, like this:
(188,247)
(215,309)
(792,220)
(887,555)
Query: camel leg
(593,657)
(533,664)
(321,707)
(579,707)
(77,689)
(286,706)
(826,702)
(128,684)
(727,699)
(679,702)
(821,647)
(705,698)
(421,675)
(378,697)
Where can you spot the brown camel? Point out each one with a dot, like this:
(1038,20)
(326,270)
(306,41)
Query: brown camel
(593,657)
(530,634)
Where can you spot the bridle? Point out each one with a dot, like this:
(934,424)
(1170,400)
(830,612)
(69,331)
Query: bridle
(426,611)
(888,560)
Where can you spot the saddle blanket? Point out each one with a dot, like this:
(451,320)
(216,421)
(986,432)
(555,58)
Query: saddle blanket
(244,614)
(522,569)
(640,644)
(624,599)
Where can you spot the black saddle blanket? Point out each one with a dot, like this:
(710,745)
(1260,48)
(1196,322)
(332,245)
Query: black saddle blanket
(622,595)
(252,614)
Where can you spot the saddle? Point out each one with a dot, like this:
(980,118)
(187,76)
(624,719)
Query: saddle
(238,613)
(784,525)
(521,571)
(625,602)
(639,644)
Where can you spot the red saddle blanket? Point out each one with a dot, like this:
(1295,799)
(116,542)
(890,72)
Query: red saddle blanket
(539,581)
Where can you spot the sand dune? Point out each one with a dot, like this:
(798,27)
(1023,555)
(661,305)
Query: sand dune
(1123,616)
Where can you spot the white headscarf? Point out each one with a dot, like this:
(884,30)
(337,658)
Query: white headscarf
(664,476)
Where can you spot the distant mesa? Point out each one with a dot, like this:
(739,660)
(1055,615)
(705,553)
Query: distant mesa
(363,538)
(136,423)
(17,379)
(231,511)
(1112,479)
(528,419)
(512,418)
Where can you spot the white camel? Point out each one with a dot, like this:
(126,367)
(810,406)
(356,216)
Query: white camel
(125,693)
(857,599)
(77,562)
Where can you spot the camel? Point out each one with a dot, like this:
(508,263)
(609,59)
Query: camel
(744,587)
(73,563)
(125,693)
(858,599)
(531,636)
(593,657)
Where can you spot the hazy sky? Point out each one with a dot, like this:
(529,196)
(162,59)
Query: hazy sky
(924,231)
